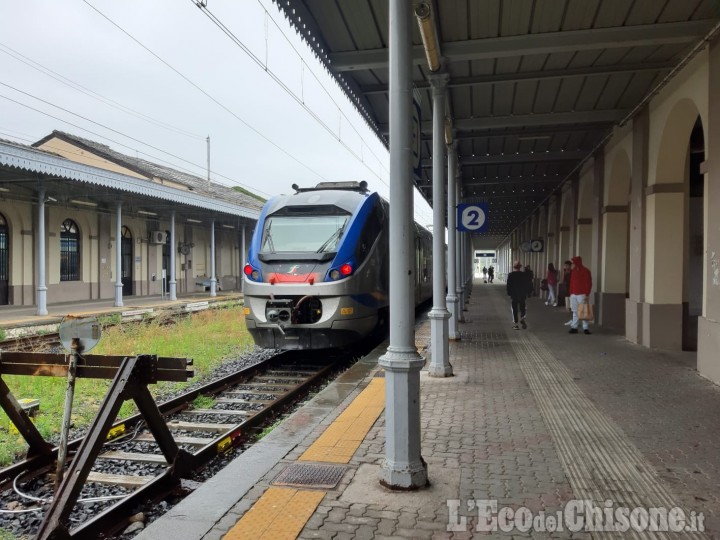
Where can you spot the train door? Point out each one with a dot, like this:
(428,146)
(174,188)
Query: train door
(126,258)
(4,261)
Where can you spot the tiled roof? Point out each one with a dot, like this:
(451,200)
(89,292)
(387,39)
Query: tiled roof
(153,170)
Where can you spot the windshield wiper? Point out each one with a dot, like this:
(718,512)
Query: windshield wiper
(335,236)
(268,238)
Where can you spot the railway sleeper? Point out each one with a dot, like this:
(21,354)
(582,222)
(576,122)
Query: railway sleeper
(134,456)
(200,426)
(123,480)
(192,441)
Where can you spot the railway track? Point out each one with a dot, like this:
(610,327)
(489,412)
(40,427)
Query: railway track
(31,343)
(130,470)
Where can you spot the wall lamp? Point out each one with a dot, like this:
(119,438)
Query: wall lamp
(426,22)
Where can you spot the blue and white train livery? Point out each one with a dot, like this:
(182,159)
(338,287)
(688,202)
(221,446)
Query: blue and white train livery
(317,273)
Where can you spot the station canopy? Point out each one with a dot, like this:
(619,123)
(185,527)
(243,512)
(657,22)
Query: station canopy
(534,86)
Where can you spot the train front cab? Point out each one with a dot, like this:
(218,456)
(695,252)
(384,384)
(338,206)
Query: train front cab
(302,299)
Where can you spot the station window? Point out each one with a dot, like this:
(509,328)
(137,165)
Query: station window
(69,251)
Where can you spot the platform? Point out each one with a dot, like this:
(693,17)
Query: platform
(14,319)
(532,421)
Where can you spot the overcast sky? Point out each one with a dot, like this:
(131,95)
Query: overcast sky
(250,97)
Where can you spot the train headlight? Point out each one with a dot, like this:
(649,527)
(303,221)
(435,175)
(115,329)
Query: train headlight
(344,271)
(250,272)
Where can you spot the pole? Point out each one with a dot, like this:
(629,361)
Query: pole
(67,412)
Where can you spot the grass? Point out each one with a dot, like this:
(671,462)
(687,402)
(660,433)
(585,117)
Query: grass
(207,337)
(268,429)
(203,402)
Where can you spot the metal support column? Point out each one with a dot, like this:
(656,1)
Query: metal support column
(439,315)
(118,257)
(171,270)
(403,467)
(459,264)
(213,280)
(41,287)
(452,299)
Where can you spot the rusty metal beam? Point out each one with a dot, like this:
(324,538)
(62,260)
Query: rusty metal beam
(89,366)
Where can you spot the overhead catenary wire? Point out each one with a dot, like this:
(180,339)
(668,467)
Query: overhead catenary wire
(155,158)
(205,93)
(299,99)
(90,93)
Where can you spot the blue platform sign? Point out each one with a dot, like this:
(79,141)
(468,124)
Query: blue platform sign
(472,217)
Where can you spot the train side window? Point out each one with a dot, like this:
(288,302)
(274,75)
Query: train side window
(369,234)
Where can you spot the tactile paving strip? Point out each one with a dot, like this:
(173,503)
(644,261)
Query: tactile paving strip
(310,475)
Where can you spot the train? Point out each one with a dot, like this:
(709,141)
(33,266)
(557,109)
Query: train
(317,272)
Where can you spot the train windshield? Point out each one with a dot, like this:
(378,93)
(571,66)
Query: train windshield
(308,234)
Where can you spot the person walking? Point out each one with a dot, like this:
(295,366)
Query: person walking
(564,289)
(518,286)
(552,282)
(580,287)
(491,274)
(484,271)
(531,280)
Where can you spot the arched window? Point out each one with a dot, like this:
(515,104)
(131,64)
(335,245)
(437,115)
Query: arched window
(69,251)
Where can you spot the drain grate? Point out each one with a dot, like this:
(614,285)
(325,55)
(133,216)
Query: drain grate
(310,475)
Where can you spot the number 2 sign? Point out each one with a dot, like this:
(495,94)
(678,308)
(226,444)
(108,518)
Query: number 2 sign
(472,217)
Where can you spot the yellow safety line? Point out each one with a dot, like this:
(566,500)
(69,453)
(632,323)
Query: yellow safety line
(343,437)
(282,512)
(279,514)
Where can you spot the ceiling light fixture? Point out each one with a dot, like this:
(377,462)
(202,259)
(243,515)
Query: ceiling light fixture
(426,23)
(146,213)
(83,203)
(190,220)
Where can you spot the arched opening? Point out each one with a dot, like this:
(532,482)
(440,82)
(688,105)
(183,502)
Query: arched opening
(69,251)
(4,262)
(693,284)
(126,261)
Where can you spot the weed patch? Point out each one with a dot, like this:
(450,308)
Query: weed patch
(207,337)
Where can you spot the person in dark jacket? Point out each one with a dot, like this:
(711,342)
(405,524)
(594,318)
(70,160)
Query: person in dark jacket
(491,274)
(518,287)
(580,287)
(564,284)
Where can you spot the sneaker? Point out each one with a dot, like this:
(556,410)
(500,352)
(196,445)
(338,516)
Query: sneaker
(587,332)
(523,323)
(516,327)
(554,304)
(547,303)
(568,323)
(573,331)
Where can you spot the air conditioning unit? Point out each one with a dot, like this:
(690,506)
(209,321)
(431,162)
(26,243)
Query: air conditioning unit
(158,237)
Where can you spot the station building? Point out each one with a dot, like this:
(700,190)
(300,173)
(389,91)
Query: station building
(84,198)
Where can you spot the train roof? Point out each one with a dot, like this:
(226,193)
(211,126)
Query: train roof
(325,194)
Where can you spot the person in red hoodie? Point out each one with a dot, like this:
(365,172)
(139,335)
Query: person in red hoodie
(580,287)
